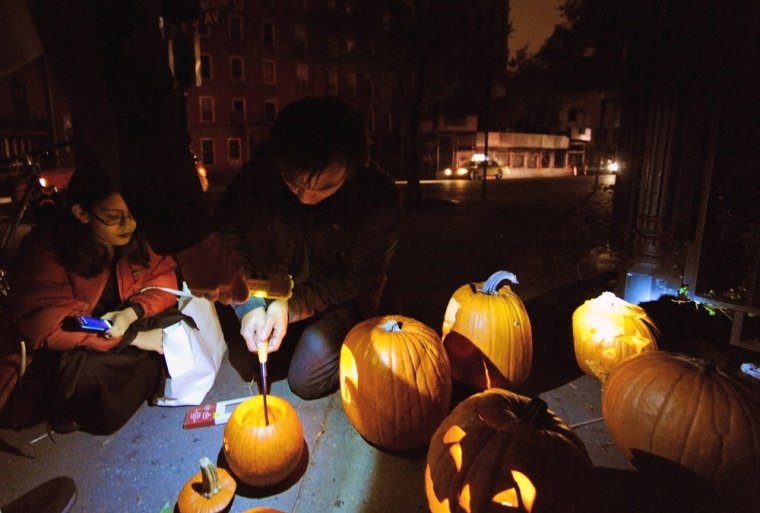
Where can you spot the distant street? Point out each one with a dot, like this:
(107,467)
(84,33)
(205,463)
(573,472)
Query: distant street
(543,230)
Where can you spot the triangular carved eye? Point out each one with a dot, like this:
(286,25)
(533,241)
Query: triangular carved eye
(507,498)
(464,498)
(524,490)
(453,436)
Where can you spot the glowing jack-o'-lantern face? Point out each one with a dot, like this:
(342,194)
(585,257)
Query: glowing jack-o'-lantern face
(608,330)
(486,456)
(395,383)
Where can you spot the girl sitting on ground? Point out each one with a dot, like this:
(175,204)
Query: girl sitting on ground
(93,262)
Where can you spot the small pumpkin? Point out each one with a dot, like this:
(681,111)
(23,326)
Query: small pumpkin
(686,410)
(262,454)
(608,330)
(209,491)
(488,336)
(395,383)
(479,456)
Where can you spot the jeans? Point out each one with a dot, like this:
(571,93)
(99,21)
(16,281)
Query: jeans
(315,364)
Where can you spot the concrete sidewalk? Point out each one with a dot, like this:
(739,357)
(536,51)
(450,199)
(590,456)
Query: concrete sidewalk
(560,260)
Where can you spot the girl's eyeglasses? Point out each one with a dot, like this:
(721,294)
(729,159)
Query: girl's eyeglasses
(113,219)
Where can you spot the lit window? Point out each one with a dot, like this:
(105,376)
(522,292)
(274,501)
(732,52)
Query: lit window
(350,45)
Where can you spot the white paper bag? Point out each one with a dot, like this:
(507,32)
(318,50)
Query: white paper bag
(193,356)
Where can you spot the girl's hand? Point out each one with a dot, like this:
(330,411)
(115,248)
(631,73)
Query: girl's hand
(151,340)
(120,321)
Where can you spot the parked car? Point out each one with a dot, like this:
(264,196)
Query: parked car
(452,173)
(475,170)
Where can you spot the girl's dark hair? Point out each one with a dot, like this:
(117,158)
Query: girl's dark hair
(76,247)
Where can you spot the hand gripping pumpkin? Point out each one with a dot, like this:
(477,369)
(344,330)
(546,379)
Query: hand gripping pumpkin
(687,411)
(260,454)
(608,330)
(494,451)
(487,335)
(395,383)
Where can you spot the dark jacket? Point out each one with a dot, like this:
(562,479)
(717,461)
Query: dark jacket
(337,251)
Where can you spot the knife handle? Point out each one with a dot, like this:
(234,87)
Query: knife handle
(263,350)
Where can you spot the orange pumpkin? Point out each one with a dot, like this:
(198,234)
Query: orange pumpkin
(481,454)
(487,335)
(209,491)
(260,454)
(608,330)
(687,411)
(395,383)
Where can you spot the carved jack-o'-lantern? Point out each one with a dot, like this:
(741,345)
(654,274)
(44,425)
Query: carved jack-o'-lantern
(487,455)
(262,454)
(487,335)
(395,383)
(608,330)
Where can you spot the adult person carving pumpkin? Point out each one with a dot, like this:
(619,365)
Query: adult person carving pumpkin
(311,204)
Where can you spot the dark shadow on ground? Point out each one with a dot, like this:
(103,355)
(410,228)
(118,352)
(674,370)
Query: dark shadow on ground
(551,321)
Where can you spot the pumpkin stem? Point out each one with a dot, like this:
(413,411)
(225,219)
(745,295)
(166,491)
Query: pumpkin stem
(392,325)
(535,412)
(210,485)
(491,286)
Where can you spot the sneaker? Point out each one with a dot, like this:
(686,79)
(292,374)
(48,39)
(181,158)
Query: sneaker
(55,496)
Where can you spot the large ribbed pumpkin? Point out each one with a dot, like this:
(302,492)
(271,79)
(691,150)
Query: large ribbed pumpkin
(686,410)
(608,330)
(395,383)
(261,454)
(481,454)
(487,335)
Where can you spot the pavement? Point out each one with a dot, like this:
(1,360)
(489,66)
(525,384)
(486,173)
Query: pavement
(557,249)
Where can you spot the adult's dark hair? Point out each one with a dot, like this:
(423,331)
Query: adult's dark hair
(312,132)
(76,247)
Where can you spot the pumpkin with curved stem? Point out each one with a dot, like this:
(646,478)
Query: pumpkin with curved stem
(479,456)
(686,410)
(209,491)
(608,330)
(258,453)
(488,335)
(395,383)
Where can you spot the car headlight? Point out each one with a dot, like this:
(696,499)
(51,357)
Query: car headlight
(462,171)
(447,171)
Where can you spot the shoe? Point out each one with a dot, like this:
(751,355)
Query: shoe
(55,496)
